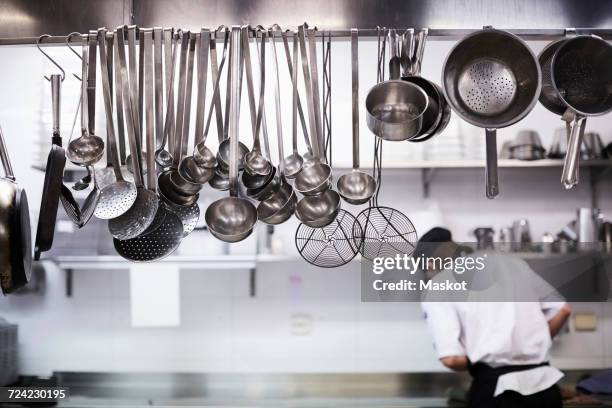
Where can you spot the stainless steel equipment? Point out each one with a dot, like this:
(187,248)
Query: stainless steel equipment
(356,187)
(588,224)
(232,219)
(395,109)
(492,80)
(527,146)
(576,80)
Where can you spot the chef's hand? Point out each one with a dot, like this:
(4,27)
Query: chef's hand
(455,363)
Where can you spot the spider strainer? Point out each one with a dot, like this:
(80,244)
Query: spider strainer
(330,246)
(492,80)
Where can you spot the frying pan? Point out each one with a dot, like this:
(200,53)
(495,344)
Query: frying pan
(16,262)
(577,83)
(492,80)
(52,187)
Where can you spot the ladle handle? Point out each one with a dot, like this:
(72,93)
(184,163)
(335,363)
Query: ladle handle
(159,84)
(308,87)
(84,68)
(180,104)
(130,114)
(202,44)
(170,64)
(91,83)
(149,81)
(234,109)
(420,50)
(291,65)
(314,70)
(492,181)
(572,158)
(216,78)
(108,104)
(355,94)
(277,100)
(56,84)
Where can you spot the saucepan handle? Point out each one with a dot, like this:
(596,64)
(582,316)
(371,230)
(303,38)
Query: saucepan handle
(492,182)
(6,162)
(570,168)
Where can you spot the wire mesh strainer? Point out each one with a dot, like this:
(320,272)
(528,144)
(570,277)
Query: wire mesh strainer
(330,246)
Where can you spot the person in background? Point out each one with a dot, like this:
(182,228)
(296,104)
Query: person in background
(503,345)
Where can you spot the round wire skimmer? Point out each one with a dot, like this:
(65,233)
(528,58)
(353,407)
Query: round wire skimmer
(331,246)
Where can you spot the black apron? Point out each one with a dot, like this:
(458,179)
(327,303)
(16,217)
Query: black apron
(484,381)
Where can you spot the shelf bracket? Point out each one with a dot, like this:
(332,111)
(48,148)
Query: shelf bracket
(427,175)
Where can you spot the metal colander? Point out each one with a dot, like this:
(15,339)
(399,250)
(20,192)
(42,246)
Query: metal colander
(492,80)
(487,86)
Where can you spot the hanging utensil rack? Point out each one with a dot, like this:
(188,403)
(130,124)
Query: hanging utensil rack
(434,34)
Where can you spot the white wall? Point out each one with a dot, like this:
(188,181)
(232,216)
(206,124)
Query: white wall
(225,330)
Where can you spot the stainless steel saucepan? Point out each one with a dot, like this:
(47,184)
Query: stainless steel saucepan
(395,108)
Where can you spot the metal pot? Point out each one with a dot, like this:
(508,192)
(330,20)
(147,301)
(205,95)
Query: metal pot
(15,238)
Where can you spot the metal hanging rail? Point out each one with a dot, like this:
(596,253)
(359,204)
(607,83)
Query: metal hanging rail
(434,34)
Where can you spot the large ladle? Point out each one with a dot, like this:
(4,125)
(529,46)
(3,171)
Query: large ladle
(255,163)
(231,219)
(294,162)
(356,187)
(256,183)
(201,169)
(223,152)
(88,148)
(279,207)
(316,178)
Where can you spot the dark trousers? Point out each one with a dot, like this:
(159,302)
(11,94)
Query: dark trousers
(484,383)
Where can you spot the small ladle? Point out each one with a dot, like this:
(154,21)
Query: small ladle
(294,162)
(163,157)
(255,163)
(88,148)
(356,187)
(200,167)
(223,153)
(278,207)
(317,177)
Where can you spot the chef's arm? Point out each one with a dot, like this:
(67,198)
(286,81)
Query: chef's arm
(556,323)
(455,363)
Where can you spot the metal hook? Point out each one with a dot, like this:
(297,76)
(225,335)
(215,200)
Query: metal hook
(48,57)
(68,38)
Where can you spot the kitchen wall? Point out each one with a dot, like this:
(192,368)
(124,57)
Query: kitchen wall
(302,318)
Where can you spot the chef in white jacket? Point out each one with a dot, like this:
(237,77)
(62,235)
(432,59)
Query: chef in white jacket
(503,344)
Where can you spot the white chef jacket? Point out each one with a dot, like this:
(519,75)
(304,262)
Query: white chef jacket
(499,333)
